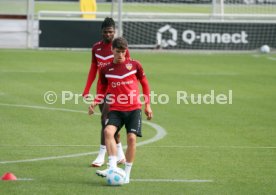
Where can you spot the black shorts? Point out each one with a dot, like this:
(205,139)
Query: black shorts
(131,119)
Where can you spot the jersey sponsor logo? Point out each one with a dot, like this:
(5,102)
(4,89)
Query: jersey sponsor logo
(102,64)
(110,69)
(116,84)
(99,49)
(129,66)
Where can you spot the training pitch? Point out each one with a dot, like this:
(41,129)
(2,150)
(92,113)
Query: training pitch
(188,147)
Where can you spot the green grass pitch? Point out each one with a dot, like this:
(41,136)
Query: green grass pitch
(232,146)
(17,7)
(159,8)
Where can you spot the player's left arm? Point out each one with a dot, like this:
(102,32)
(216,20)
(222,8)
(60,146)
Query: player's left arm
(146,91)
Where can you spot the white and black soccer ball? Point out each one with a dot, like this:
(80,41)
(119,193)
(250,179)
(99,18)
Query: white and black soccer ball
(115,177)
(265,49)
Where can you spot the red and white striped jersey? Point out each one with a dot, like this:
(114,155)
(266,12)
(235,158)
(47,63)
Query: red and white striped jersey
(122,81)
(101,56)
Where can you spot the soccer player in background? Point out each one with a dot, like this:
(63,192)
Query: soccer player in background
(122,78)
(102,56)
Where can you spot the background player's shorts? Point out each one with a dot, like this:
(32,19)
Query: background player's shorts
(131,119)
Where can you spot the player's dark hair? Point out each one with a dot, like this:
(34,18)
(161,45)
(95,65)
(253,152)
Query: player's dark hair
(119,43)
(108,22)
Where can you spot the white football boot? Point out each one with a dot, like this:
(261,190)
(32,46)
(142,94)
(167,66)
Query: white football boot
(100,158)
(98,162)
(102,173)
(126,180)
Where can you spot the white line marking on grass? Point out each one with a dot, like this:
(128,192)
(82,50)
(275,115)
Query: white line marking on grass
(24,179)
(54,145)
(214,74)
(249,147)
(271,58)
(161,133)
(227,147)
(22,71)
(48,158)
(173,180)
(44,108)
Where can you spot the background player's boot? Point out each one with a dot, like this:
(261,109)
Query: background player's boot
(99,161)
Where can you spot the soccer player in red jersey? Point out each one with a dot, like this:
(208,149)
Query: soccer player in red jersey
(102,56)
(122,78)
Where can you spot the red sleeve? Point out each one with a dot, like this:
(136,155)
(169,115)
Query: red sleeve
(144,82)
(146,89)
(91,75)
(140,71)
(102,89)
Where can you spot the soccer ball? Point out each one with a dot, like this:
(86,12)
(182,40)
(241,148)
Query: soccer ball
(115,177)
(265,49)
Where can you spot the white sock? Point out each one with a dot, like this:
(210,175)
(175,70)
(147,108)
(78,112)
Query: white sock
(102,151)
(112,162)
(120,151)
(128,167)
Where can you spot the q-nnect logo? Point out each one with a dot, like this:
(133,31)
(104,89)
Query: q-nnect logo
(164,42)
(191,37)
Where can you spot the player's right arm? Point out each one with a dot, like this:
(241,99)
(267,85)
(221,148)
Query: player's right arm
(91,75)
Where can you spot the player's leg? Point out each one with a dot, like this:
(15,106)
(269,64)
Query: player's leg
(121,159)
(130,154)
(133,126)
(120,152)
(114,124)
(111,148)
(99,161)
(110,143)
